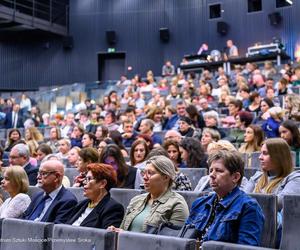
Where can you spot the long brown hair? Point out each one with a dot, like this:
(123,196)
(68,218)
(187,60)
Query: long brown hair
(277,148)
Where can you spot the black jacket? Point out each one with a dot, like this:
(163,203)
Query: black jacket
(108,212)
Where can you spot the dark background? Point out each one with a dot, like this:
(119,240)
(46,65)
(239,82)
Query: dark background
(28,61)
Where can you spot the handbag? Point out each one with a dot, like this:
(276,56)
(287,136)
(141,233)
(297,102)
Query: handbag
(189,231)
(165,228)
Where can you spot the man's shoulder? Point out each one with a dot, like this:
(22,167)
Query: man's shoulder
(65,194)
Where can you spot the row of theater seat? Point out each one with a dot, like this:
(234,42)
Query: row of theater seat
(267,202)
(28,235)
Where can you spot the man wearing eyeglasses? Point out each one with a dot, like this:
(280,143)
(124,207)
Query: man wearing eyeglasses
(19,156)
(55,203)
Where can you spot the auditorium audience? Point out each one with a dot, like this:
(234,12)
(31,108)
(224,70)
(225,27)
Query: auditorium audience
(159,204)
(209,214)
(99,210)
(55,203)
(15,183)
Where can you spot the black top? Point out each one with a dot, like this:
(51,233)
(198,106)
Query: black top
(130,178)
(107,213)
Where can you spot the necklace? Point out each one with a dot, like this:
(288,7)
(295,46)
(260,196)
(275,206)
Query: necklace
(92,204)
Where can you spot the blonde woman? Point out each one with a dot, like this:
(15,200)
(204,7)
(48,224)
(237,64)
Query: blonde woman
(32,137)
(292,106)
(276,175)
(15,183)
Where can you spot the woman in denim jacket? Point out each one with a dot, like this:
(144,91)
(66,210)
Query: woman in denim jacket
(228,214)
(161,205)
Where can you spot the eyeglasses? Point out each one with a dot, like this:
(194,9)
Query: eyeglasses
(147,173)
(45,174)
(89,179)
(14,157)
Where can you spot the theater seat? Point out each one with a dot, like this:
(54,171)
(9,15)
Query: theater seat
(194,174)
(140,241)
(25,235)
(189,196)
(78,192)
(71,173)
(123,195)
(268,203)
(291,223)
(80,238)
(219,245)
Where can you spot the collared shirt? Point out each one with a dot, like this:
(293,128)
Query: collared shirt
(238,219)
(48,202)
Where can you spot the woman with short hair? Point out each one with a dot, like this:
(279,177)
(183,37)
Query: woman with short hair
(15,183)
(228,214)
(99,210)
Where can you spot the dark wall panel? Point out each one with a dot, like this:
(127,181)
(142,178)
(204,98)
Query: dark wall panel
(137,22)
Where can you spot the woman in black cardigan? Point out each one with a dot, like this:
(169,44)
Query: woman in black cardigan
(99,210)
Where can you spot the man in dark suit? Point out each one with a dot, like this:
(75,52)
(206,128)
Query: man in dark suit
(55,203)
(19,155)
(14,119)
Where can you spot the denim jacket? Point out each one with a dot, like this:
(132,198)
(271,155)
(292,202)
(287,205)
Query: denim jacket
(238,219)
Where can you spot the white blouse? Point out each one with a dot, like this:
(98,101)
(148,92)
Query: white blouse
(15,207)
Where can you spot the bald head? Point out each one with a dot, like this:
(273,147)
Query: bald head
(173,135)
(50,176)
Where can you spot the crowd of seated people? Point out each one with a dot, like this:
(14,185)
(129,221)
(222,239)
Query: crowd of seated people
(144,139)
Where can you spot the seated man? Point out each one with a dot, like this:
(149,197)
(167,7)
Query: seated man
(56,202)
(228,214)
(20,156)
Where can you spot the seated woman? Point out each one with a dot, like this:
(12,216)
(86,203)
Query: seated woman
(253,139)
(181,181)
(160,204)
(54,137)
(126,175)
(290,133)
(265,105)
(277,175)
(15,182)
(192,153)
(86,156)
(203,184)
(99,210)
(209,135)
(13,137)
(73,156)
(228,214)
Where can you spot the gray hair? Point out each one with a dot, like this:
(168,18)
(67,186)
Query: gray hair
(149,122)
(212,114)
(164,165)
(215,135)
(23,150)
